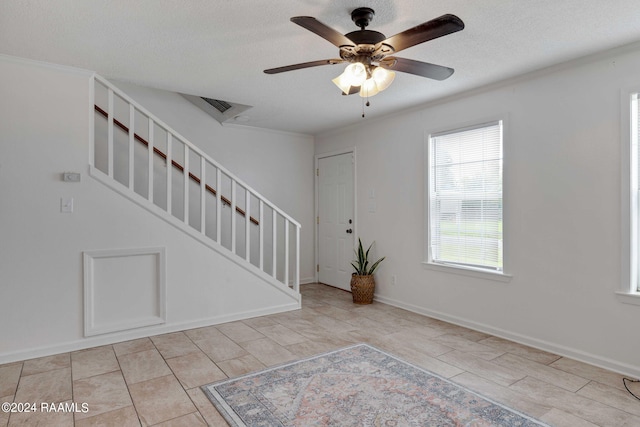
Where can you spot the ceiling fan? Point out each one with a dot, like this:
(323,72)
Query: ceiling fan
(371,68)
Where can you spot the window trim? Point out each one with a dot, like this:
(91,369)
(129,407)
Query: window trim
(428,263)
(627,291)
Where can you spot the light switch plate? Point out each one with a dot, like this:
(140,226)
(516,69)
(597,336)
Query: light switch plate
(66,204)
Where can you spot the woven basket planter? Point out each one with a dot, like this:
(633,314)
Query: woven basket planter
(362,288)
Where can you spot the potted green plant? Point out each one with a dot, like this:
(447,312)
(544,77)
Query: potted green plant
(362,281)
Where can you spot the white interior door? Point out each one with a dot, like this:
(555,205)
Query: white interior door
(335,220)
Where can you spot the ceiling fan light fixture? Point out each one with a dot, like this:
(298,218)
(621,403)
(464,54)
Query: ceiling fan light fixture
(383,77)
(354,75)
(369,88)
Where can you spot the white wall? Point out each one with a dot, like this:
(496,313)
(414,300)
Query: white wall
(44,131)
(562,210)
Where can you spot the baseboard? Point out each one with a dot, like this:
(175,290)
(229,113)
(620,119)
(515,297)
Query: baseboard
(307,280)
(572,353)
(140,333)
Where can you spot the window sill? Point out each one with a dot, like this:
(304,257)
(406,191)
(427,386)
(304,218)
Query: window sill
(629,297)
(471,272)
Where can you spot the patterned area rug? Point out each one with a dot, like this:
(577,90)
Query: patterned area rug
(355,386)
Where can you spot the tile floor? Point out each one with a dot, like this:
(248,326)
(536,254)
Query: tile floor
(155,381)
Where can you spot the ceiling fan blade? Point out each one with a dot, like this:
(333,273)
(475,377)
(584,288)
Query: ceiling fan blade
(327,33)
(438,27)
(303,65)
(419,68)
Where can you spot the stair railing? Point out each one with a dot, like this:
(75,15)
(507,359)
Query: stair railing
(195,161)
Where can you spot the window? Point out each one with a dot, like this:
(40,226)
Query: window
(635,185)
(465,198)
(629,289)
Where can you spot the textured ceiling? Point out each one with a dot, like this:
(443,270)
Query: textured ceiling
(218,48)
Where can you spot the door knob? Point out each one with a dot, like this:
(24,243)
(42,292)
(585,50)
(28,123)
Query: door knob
(349,231)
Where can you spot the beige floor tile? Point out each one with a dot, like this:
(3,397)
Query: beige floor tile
(268,351)
(50,386)
(579,406)
(504,395)
(208,332)
(133,346)
(460,343)
(95,361)
(103,393)
(542,372)
(426,362)
(206,408)
(9,378)
(483,368)
(423,345)
(175,344)
(259,322)
(294,323)
(282,335)
(527,352)
(239,332)
(160,399)
(44,364)
(240,365)
(559,418)
(41,418)
(143,366)
(194,419)
(591,372)
(311,348)
(4,416)
(195,369)
(612,396)
(332,324)
(125,417)
(220,348)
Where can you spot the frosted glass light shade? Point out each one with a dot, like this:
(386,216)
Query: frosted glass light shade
(369,88)
(354,75)
(382,77)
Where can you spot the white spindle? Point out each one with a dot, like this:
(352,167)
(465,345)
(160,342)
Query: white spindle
(273,243)
(286,251)
(233,216)
(219,206)
(150,161)
(169,171)
(261,234)
(203,193)
(132,141)
(110,134)
(247,224)
(186,184)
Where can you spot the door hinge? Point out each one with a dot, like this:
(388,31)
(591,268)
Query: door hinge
(318,268)
(318,172)
(318,220)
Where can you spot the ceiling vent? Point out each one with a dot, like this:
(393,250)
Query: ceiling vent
(222,111)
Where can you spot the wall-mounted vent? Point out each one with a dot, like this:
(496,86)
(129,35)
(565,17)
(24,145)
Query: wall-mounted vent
(222,111)
(219,105)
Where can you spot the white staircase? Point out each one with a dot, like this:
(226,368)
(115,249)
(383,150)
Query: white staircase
(138,155)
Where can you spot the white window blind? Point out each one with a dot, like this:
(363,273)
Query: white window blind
(465,197)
